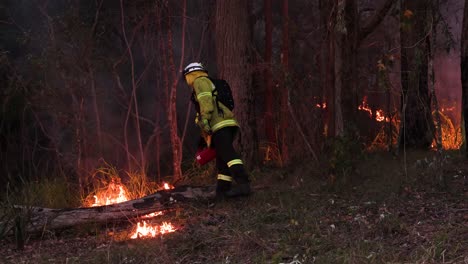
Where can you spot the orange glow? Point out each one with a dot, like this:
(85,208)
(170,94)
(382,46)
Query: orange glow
(449,125)
(451,134)
(379,113)
(321,105)
(448,109)
(152,215)
(380,116)
(117,193)
(365,107)
(146,230)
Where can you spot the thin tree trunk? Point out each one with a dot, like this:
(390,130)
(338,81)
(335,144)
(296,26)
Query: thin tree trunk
(464,74)
(88,54)
(348,78)
(431,41)
(96,110)
(326,67)
(285,90)
(269,109)
(340,32)
(133,96)
(172,108)
(233,57)
(330,80)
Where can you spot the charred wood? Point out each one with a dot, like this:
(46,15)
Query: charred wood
(39,219)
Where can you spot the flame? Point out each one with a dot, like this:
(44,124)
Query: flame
(451,129)
(146,230)
(151,215)
(116,193)
(365,107)
(321,105)
(451,134)
(379,113)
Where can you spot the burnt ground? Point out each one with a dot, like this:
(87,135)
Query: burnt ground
(383,212)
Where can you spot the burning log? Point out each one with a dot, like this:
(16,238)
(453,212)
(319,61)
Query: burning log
(40,219)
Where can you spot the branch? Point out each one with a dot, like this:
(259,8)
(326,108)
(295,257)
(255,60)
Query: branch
(375,20)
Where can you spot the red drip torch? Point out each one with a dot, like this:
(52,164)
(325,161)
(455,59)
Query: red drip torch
(205,154)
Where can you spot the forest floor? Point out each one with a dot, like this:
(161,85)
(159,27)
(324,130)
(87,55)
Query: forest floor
(383,212)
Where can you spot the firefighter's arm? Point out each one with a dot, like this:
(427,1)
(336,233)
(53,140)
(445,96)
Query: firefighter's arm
(203,93)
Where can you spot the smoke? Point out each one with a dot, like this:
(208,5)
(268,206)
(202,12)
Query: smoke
(447,60)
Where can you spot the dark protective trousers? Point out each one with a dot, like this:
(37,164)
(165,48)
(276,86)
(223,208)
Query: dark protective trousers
(228,162)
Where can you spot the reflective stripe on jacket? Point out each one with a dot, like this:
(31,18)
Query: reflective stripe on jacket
(203,88)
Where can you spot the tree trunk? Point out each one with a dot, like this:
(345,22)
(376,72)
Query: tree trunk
(431,44)
(464,74)
(340,32)
(40,219)
(269,109)
(417,126)
(327,67)
(172,108)
(347,79)
(133,97)
(339,62)
(285,87)
(233,55)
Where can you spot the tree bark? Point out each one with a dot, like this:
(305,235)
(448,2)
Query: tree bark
(269,109)
(133,99)
(375,20)
(285,89)
(464,74)
(39,219)
(172,109)
(348,77)
(341,32)
(233,56)
(417,126)
(327,69)
(431,44)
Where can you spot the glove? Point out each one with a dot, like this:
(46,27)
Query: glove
(197,119)
(205,126)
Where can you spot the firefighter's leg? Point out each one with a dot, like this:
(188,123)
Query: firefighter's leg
(224,181)
(223,143)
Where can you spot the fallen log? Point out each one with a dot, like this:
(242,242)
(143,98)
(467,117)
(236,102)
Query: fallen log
(38,219)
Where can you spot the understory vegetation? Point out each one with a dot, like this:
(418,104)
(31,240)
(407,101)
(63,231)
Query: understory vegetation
(382,212)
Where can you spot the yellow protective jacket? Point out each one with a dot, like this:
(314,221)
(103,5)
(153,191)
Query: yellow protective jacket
(203,88)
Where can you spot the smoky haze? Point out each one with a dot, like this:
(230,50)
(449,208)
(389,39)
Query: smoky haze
(76,78)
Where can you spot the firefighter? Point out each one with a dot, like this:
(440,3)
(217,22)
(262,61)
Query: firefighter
(219,128)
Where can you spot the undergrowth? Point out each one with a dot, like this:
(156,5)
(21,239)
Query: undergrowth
(383,213)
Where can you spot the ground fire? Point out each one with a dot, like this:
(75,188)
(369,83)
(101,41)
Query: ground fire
(451,130)
(117,193)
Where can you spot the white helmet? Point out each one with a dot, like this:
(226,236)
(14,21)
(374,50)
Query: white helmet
(194,66)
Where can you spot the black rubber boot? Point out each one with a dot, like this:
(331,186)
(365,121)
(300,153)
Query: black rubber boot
(221,188)
(238,190)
